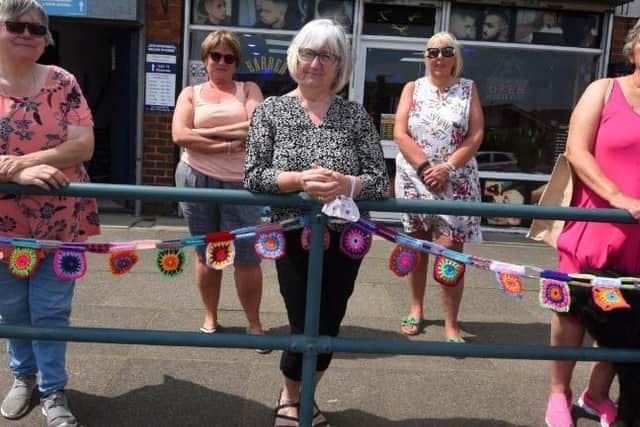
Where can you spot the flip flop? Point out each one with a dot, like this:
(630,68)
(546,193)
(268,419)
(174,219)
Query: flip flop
(260,350)
(206,330)
(416,324)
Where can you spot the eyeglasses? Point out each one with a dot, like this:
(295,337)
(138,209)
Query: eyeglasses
(217,56)
(15,27)
(434,52)
(308,55)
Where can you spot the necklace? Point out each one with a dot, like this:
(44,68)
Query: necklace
(29,92)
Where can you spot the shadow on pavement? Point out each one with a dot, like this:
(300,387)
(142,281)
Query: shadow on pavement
(357,418)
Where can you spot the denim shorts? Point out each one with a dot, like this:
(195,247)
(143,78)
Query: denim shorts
(207,217)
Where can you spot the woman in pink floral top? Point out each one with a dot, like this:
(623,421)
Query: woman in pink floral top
(438,129)
(46,132)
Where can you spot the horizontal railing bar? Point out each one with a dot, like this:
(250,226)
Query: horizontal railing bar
(135,192)
(300,343)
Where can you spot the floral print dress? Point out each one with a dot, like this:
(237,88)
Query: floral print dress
(439,124)
(35,123)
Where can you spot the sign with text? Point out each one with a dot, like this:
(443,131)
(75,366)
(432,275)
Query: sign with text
(160,81)
(65,7)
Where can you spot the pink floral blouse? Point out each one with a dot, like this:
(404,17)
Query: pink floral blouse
(36,123)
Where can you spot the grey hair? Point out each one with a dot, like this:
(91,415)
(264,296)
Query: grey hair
(633,37)
(13,9)
(315,35)
(457,50)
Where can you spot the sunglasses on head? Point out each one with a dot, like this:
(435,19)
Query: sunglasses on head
(217,56)
(16,27)
(434,52)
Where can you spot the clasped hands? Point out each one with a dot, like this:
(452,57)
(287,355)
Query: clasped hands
(13,169)
(324,185)
(435,177)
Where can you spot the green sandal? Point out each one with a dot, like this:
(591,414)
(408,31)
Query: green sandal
(411,325)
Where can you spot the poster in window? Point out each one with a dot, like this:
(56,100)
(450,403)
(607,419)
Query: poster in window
(557,28)
(497,25)
(398,20)
(213,12)
(340,11)
(465,22)
(274,14)
(504,192)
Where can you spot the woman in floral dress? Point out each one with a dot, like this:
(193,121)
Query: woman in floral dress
(438,129)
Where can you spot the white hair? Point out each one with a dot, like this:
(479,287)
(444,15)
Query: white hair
(315,35)
(633,37)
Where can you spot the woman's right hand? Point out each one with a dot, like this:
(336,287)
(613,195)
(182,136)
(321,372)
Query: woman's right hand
(629,204)
(43,176)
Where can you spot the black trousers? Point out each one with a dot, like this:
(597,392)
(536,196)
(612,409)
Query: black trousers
(338,278)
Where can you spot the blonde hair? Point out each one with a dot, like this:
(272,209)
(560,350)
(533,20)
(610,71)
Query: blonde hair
(315,35)
(451,40)
(12,9)
(223,38)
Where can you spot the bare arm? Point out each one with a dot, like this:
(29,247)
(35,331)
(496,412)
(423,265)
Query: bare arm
(406,144)
(184,135)
(583,127)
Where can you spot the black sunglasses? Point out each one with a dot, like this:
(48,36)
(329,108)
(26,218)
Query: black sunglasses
(217,56)
(434,52)
(16,27)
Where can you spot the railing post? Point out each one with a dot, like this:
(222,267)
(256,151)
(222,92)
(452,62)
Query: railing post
(312,316)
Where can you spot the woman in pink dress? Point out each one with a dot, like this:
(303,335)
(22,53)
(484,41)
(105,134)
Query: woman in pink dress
(603,149)
(46,132)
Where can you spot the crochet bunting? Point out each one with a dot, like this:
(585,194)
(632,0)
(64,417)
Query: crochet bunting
(23,262)
(554,295)
(69,264)
(447,272)
(170,262)
(354,242)
(403,260)
(270,242)
(220,254)
(122,262)
(509,284)
(305,238)
(608,298)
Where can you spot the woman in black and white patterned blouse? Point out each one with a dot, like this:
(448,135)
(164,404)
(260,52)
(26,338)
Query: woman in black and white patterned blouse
(311,140)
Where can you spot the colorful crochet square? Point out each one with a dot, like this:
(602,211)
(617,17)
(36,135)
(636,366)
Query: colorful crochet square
(608,298)
(509,284)
(554,295)
(403,260)
(122,262)
(170,262)
(447,272)
(23,262)
(305,238)
(270,244)
(69,265)
(220,254)
(354,242)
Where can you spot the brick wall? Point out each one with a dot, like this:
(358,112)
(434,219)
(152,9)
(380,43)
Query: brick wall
(159,153)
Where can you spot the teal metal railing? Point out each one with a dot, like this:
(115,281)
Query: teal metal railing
(310,344)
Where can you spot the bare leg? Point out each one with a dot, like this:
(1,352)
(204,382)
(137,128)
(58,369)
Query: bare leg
(417,287)
(451,296)
(291,393)
(208,281)
(249,287)
(600,380)
(564,332)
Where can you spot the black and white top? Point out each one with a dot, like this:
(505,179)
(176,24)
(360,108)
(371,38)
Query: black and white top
(282,138)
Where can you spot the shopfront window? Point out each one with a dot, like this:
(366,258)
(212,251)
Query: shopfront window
(523,25)
(527,99)
(270,14)
(398,20)
(264,61)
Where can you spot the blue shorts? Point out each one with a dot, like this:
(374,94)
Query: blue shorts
(207,217)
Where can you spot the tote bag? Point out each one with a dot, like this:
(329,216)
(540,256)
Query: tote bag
(558,192)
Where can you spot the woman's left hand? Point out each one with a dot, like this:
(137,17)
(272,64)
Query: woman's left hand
(323,184)
(9,165)
(436,177)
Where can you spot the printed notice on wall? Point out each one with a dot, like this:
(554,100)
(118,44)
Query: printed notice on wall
(65,7)
(160,81)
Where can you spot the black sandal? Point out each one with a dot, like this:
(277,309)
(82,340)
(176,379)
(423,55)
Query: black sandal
(282,420)
(319,420)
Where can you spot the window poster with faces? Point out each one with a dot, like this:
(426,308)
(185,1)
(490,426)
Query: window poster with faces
(274,14)
(522,25)
(213,12)
(340,11)
(398,20)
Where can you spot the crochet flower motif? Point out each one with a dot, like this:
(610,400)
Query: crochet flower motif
(220,254)
(554,295)
(509,284)
(170,261)
(447,272)
(608,298)
(69,265)
(354,242)
(403,260)
(270,244)
(305,238)
(122,262)
(23,262)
